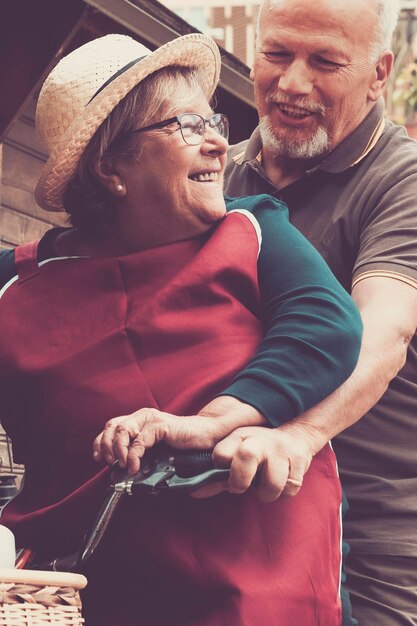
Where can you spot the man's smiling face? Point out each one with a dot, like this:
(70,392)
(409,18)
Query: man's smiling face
(313,73)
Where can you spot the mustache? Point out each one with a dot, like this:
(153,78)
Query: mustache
(280,97)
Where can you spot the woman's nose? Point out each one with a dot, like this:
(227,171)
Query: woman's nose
(213,142)
(296,80)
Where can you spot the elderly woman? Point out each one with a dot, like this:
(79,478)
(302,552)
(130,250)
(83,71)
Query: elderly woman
(146,308)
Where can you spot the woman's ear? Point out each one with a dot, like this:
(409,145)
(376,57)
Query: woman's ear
(382,71)
(109,176)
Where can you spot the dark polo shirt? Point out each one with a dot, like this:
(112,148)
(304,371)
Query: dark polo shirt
(359,209)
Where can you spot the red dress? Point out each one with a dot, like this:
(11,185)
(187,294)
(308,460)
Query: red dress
(83,340)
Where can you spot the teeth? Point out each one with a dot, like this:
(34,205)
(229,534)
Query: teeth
(207,176)
(293,111)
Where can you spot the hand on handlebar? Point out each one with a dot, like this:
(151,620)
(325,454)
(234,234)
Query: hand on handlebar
(279,457)
(126,438)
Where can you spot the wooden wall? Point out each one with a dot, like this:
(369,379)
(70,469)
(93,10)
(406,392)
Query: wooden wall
(22,160)
(20,218)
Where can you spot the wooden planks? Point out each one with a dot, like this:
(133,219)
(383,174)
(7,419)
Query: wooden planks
(22,160)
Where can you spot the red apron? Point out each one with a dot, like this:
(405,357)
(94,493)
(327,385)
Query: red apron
(83,340)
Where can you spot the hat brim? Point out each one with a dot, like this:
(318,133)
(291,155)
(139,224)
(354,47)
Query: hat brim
(194,50)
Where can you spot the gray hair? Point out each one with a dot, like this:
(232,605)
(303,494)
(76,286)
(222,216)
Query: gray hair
(88,204)
(388,12)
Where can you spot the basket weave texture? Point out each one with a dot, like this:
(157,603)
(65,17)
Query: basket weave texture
(40,598)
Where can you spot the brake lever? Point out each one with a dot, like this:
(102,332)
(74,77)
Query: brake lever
(174,473)
(160,482)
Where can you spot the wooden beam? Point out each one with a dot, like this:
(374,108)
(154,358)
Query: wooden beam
(154,24)
(32,37)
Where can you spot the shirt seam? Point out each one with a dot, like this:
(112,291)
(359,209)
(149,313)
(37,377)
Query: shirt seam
(254,222)
(16,277)
(385,274)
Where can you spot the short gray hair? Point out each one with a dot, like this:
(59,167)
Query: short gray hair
(388,12)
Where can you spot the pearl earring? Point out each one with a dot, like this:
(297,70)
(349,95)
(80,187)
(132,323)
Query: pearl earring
(119,187)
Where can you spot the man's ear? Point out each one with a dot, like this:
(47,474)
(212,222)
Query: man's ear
(107,173)
(381,74)
(255,47)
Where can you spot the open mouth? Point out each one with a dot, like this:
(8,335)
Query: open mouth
(205,177)
(293,112)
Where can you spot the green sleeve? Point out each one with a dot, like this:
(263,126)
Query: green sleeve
(7,268)
(312,327)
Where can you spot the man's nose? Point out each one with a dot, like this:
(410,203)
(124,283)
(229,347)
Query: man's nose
(296,79)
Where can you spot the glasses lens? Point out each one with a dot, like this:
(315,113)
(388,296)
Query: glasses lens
(220,124)
(192,128)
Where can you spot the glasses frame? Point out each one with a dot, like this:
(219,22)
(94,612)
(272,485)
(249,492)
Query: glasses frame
(178,119)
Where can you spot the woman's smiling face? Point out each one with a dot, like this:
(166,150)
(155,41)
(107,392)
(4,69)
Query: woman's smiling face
(175,186)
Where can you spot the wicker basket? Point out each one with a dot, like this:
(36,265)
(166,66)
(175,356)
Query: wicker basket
(35,598)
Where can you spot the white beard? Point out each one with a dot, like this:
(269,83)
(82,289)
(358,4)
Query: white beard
(292,148)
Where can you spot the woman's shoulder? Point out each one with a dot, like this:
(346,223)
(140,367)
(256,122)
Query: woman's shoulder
(262,206)
(45,250)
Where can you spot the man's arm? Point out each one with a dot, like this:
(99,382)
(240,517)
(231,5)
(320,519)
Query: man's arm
(389,312)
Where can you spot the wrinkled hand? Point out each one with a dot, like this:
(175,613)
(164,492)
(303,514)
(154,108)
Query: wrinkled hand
(278,455)
(126,438)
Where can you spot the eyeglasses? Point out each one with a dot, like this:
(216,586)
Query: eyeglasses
(193,126)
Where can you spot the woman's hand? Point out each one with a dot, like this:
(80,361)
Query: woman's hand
(279,457)
(126,438)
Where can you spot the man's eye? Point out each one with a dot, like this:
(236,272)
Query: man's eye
(327,63)
(274,55)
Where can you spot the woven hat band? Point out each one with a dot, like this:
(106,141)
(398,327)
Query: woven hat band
(121,71)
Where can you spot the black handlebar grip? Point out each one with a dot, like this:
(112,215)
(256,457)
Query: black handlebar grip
(193,462)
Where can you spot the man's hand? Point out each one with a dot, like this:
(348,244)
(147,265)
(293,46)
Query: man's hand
(273,461)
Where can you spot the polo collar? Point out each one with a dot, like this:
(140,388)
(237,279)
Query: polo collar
(347,154)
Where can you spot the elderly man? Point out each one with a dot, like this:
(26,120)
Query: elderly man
(349,178)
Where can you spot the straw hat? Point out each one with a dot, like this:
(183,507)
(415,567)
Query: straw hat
(85,86)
